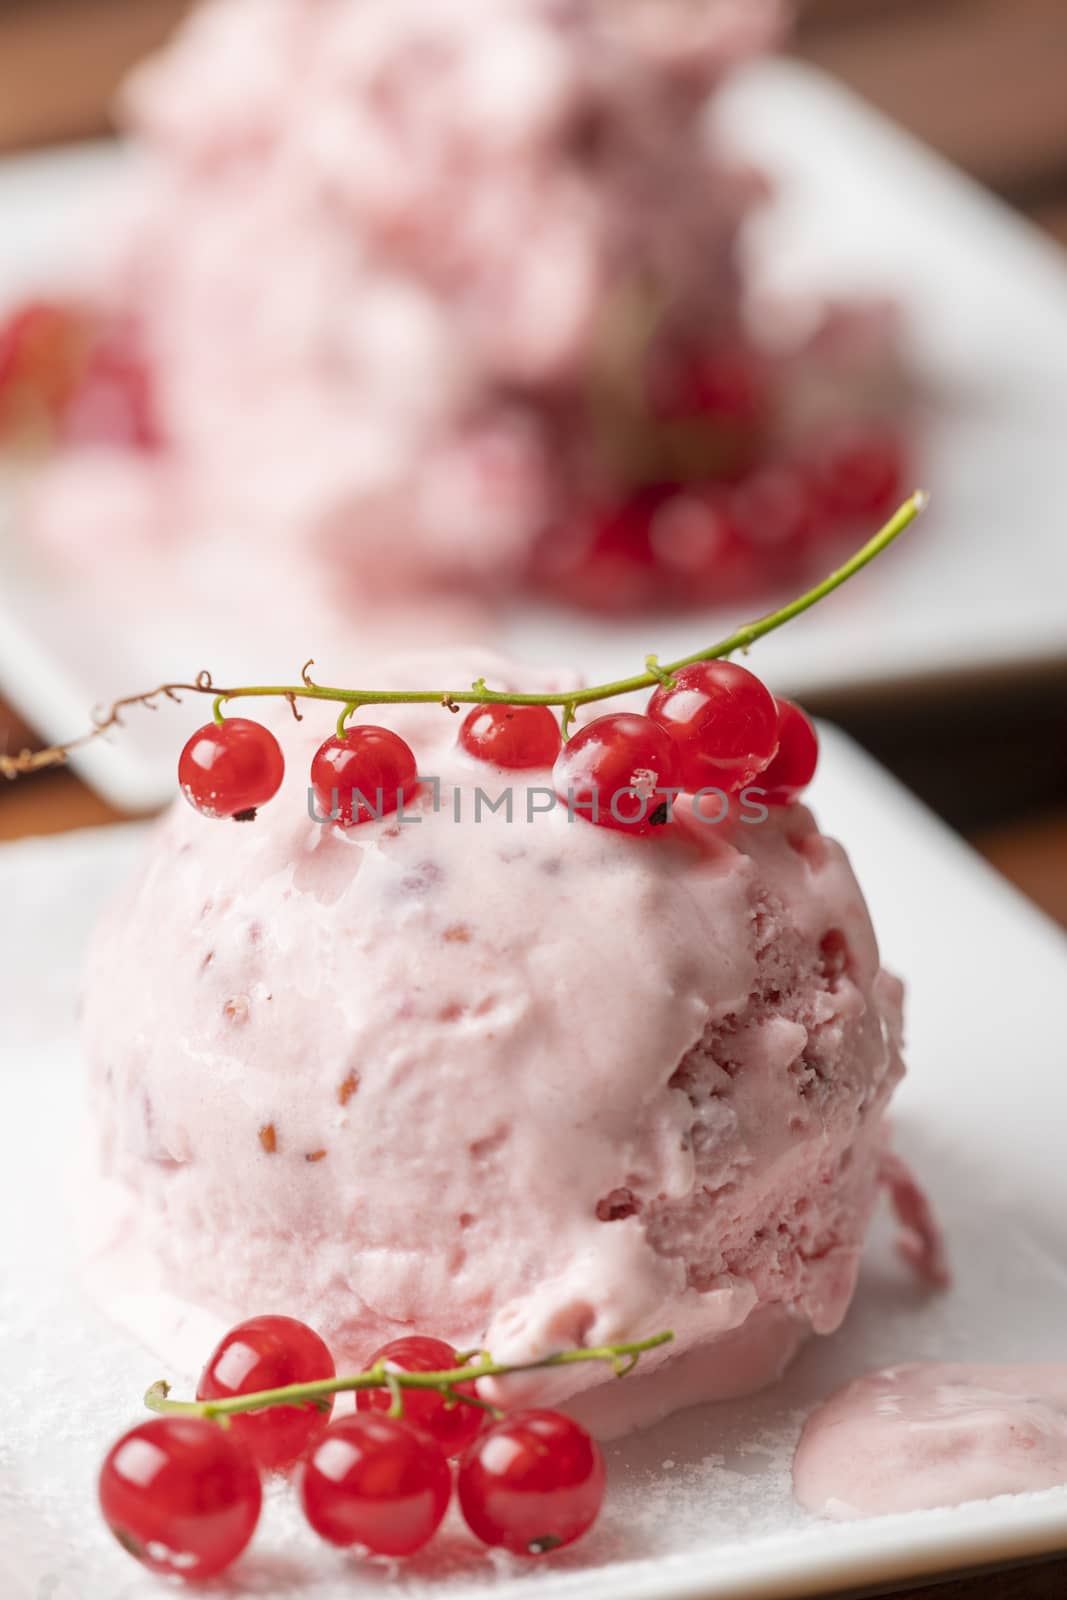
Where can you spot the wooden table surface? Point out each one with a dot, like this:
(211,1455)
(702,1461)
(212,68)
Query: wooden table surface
(983,81)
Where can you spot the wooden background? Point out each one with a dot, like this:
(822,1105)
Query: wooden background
(984,82)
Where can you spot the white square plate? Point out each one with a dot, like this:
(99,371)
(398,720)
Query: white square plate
(699,1507)
(980,583)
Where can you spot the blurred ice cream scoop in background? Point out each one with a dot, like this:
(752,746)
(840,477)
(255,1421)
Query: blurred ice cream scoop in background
(451,296)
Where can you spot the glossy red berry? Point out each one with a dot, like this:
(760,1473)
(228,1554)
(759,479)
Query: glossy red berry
(364,776)
(615,772)
(268,1353)
(723,721)
(376,1481)
(182,1495)
(511,736)
(453,1426)
(231,768)
(531,1483)
(798,755)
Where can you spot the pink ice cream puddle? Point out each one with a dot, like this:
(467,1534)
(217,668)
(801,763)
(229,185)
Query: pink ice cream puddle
(915,1437)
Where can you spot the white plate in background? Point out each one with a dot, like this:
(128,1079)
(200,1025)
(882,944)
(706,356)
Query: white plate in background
(699,1508)
(981,582)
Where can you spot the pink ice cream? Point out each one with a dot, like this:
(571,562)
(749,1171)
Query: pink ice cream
(375,247)
(428,293)
(517,1083)
(915,1437)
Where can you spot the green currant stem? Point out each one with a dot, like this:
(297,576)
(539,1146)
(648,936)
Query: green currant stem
(661,675)
(479,694)
(453,1397)
(622,1357)
(353,700)
(396,1395)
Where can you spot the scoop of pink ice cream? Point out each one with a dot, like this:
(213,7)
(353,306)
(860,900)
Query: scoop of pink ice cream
(516,1082)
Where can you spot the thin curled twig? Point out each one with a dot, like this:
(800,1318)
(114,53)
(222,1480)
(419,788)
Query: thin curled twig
(103,720)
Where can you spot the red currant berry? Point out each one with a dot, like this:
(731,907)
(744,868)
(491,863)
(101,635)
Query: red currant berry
(615,770)
(860,474)
(182,1495)
(268,1353)
(689,536)
(231,768)
(42,348)
(452,1426)
(114,403)
(531,1483)
(728,384)
(774,511)
(723,721)
(511,736)
(798,755)
(600,558)
(364,776)
(378,1482)
(702,555)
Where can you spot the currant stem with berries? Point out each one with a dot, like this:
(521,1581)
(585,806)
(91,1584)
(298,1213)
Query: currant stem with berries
(623,1357)
(350,701)
(182,1493)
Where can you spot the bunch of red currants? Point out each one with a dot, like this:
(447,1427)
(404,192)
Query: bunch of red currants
(713,507)
(183,1493)
(711,499)
(711,727)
